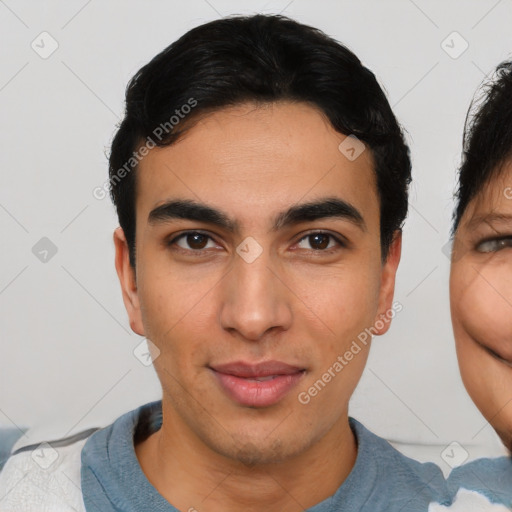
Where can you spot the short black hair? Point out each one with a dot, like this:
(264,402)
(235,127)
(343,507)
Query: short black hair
(262,59)
(487,139)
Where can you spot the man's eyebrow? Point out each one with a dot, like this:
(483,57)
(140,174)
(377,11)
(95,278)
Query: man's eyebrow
(191,210)
(330,207)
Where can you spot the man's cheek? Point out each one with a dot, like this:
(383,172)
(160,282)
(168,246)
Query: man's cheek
(164,304)
(348,301)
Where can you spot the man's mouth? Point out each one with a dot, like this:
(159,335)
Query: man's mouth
(262,379)
(257,385)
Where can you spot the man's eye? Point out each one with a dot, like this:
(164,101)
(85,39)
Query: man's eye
(320,241)
(192,240)
(494,245)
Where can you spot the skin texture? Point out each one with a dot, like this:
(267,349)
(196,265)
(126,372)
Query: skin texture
(295,303)
(481,301)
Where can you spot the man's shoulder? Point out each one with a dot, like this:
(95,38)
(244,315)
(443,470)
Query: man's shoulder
(490,478)
(44,476)
(400,466)
(398,482)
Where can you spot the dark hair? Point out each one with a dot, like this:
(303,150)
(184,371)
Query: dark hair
(260,58)
(487,141)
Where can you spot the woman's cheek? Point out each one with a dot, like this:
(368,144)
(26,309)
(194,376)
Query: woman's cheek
(484,309)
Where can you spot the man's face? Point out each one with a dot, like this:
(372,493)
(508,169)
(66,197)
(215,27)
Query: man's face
(291,292)
(481,302)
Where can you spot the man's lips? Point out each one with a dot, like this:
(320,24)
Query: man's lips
(263,369)
(257,385)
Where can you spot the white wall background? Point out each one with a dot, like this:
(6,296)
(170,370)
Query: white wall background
(66,349)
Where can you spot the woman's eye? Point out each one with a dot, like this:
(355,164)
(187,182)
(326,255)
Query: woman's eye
(320,241)
(494,245)
(193,240)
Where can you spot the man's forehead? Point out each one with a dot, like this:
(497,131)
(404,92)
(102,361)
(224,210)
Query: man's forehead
(249,135)
(164,176)
(264,179)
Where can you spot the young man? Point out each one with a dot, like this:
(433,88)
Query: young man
(481,279)
(260,179)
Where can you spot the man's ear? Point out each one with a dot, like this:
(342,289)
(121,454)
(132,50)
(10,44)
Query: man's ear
(385,310)
(126,274)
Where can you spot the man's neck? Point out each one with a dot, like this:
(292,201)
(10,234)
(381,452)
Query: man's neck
(192,479)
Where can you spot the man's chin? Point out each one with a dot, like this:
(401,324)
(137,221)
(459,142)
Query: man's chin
(262,451)
(251,455)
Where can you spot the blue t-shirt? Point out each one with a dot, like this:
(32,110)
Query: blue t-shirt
(492,478)
(382,479)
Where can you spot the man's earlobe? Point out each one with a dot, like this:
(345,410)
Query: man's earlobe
(127,279)
(385,310)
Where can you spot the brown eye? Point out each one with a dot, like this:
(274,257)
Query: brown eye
(196,241)
(320,241)
(192,241)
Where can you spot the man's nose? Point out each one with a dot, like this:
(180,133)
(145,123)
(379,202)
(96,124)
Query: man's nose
(255,299)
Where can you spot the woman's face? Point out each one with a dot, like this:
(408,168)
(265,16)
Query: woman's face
(481,301)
